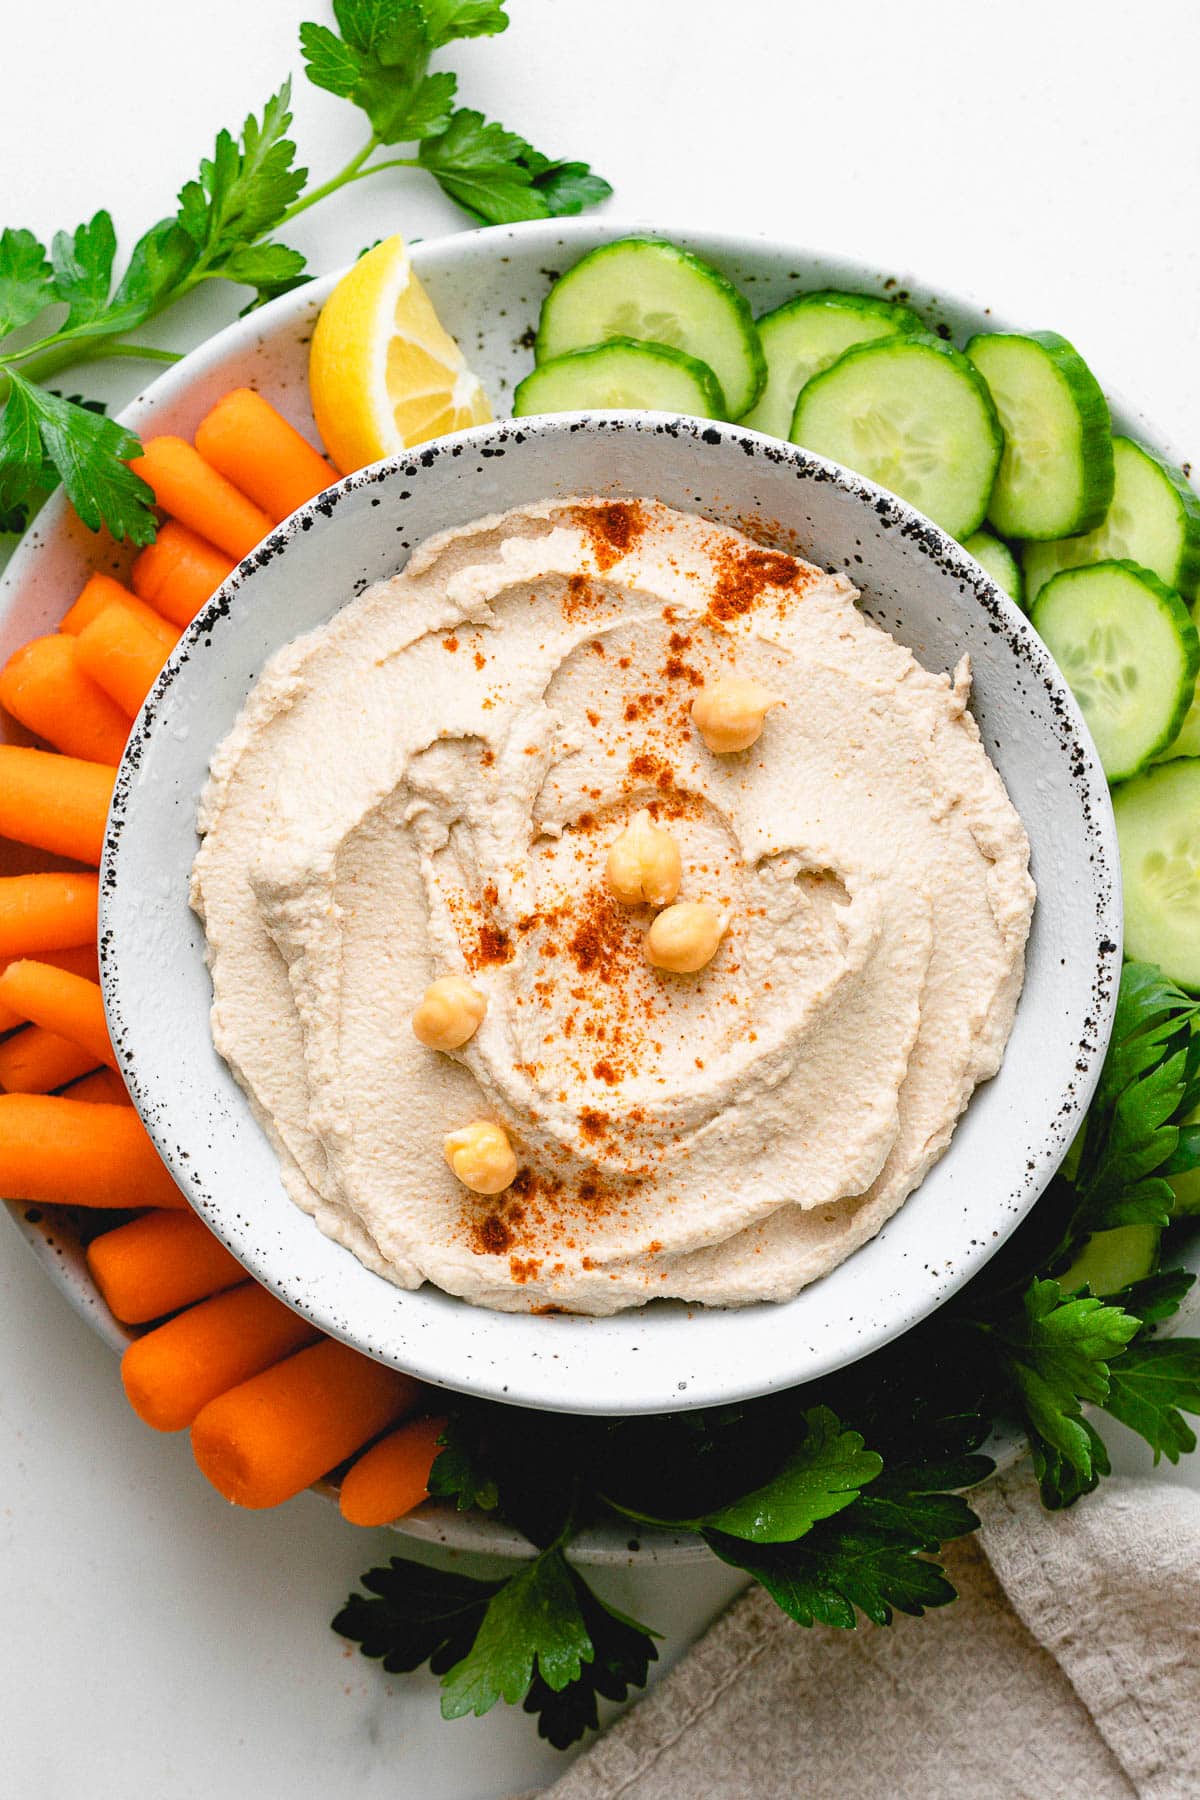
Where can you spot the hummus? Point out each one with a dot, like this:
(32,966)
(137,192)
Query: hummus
(429,784)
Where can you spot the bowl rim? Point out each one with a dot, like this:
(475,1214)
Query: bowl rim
(658,1387)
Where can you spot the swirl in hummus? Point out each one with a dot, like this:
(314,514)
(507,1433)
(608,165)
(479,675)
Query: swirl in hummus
(429,784)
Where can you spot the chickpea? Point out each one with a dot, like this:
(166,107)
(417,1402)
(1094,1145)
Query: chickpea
(729,712)
(685,937)
(643,865)
(482,1157)
(451,1011)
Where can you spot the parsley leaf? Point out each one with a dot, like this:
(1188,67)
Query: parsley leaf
(622,1651)
(379,63)
(821,1579)
(244,189)
(497,176)
(535,1619)
(419,1615)
(88,451)
(1148,1388)
(25,279)
(1156,1297)
(1057,1353)
(83,267)
(458,1473)
(446,20)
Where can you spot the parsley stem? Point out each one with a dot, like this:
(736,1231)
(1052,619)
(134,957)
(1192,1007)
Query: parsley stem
(347,174)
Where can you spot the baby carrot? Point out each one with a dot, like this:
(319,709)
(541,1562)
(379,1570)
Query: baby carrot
(192,492)
(44,687)
(277,1433)
(57,803)
(178,572)
(122,657)
(35,1061)
(102,1087)
(73,1153)
(82,960)
(177,1368)
(68,1005)
(392,1477)
(158,1263)
(98,594)
(46,912)
(252,445)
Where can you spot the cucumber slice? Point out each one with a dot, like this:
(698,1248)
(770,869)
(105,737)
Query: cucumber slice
(999,562)
(619,374)
(806,335)
(1158,827)
(1188,741)
(1187,1185)
(1129,653)
(1112,1260)
(914,415)
(1154,519)
(1056,474)
(642,288)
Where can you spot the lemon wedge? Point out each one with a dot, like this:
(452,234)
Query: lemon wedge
(384,373)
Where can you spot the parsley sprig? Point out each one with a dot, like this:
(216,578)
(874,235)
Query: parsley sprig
(68,304)
(838,1499)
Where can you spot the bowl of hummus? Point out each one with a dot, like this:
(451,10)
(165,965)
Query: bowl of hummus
(641,911)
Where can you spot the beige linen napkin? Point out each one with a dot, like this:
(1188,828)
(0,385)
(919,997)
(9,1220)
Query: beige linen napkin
(1068,1669)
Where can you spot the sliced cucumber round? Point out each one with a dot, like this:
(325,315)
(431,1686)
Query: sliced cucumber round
(1158,826)
(1154,519)
(623,373)
(1129,653)
(1056,474)
(1187,740)
(642,288)
(806,335)
(999,562)
(914,415)
(1112,1260)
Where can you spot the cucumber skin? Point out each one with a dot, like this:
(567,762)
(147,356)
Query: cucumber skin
(738,300)
(1095,436)
(699,371)
(929,341)
(1013,583)
(1188,637)
(901,320)
(1124,798)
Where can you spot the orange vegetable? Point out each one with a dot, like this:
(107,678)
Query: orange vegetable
(68,1005)
(252,445)
(176,1369)
(192,492)
(82,960)
(99,593)
(57,803)
(102,1087)
(74,1153)
(158,1263)
(274,1435)
(46,912)
(35,1061)
(121,656)
(44,687)
(392,1477)
(178,572)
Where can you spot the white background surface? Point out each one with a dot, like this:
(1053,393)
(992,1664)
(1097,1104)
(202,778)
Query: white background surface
(1045,157)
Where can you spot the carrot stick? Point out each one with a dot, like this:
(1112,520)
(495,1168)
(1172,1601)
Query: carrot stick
(271,1437)
(177,1368)
(252,445)
(192,492)
(178,572)
(98,594)
(82,960)
(392,1477)
(46,912)
(35,1061)
(73,1153)
(67,1005)
(57,803)
(122,657)
(158,1263)
(44,687)
(102,1087)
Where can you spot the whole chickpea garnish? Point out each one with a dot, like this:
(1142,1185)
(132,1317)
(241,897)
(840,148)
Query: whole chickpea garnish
(684,938)
(482,1157)
(730,711)
(643,865)
(451,1011)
